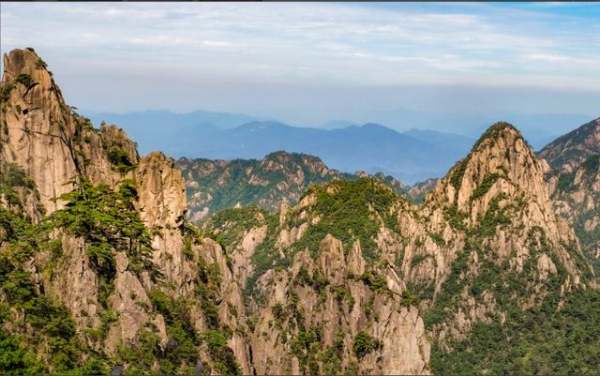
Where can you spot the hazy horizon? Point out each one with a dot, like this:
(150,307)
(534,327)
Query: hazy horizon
(311,63)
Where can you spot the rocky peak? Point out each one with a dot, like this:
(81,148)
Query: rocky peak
(502,152)
(53,144)
(53,157)
(501,161)
(37,126)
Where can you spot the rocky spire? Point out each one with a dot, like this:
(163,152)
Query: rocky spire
(53,144)
(37,126)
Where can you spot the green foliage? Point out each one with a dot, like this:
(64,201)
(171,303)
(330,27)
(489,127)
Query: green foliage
(230,224)
(25,80)
(485,186)
(306,346)
(365,344)
(458,172)
(41,64)
(209,281)
(438,239)
(342,294)
(234,182)
(266,256)
(408,298)
(565,182)
(120,159)
(5,90)
(317,281)
(12,178)
(331,360)
(455,217)
(108,221)
(493,217)
(417,259)
(181,349)
(493,132)
(591,164)
(450,291)
(51,322)
(541,341)
(375,282)
(350,210)
(16,358)
(221,354)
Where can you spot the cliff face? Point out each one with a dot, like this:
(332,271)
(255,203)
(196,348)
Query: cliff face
(93,231)
(36,127)
(574,180)
(98,267)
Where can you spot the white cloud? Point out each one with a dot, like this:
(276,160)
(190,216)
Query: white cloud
(311,44)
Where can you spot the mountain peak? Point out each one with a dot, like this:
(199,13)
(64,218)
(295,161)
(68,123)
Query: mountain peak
(501,164)
(21,60)
(500,149)
(498,130)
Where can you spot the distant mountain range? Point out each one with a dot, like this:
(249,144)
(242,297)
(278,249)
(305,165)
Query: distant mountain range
(538,128)
(410,156)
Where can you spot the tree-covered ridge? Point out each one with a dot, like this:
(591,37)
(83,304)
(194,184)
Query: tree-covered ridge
(350,211)
(549,339)
(214,185)
(574,179)
(279,176)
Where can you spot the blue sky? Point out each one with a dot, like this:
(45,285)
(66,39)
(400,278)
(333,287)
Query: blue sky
(313,62)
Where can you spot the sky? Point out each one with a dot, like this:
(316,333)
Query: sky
(308,63)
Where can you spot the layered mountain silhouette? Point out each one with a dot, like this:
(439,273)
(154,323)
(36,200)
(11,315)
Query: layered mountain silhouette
(409,156)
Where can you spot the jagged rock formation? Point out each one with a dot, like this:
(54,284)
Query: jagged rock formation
(574,179)
(93,241)
(495,216)
(99,269)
